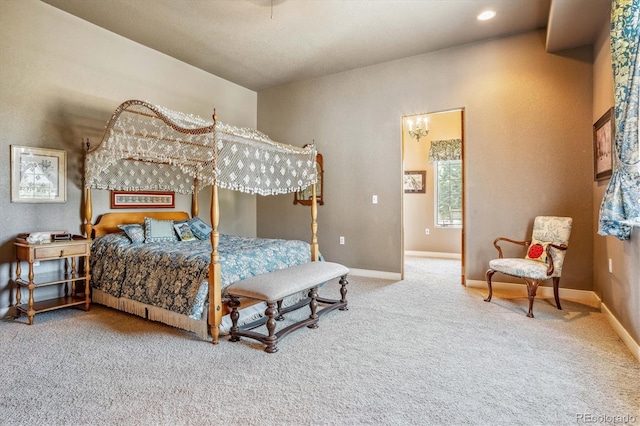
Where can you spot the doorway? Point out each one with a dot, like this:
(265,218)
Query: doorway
(433,186)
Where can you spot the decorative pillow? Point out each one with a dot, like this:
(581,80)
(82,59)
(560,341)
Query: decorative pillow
(199,228)
(538,251)
(158,230)
(134,231)
(184,231)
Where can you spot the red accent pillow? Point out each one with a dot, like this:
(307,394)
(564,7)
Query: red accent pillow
(538,251)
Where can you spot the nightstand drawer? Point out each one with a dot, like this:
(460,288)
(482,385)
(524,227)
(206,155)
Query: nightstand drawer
(60,251)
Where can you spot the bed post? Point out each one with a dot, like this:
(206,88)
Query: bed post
(314,225)
(88,207)
(215,293)
(215,288)
(194,199)
(88,212)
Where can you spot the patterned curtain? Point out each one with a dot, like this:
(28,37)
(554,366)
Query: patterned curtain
(620,208)
(450,149)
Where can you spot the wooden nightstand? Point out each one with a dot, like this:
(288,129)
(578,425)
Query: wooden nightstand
(68,274)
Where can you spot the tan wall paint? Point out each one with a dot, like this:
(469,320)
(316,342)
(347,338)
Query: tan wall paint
(527,117)
(419,209)
(620,290)
(62,77)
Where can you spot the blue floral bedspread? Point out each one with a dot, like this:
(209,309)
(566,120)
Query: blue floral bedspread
(173,275)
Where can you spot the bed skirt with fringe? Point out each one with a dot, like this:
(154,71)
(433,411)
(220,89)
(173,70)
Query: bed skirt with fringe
(183,322)
(198,326)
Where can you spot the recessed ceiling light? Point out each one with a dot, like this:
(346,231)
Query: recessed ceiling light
(487,14)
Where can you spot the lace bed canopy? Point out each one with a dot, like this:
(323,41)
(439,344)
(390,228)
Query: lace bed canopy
(150,148)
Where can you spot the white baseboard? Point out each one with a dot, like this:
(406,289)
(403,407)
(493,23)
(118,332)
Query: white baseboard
(396,276)
(586,296)
(433,254)
(621,331)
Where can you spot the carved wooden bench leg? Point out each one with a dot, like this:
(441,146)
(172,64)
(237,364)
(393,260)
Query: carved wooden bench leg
(271,340)
(234,302)
(343,293)
(313,305)
(280,317)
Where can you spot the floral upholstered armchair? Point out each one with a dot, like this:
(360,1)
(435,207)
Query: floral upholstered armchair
(544,258)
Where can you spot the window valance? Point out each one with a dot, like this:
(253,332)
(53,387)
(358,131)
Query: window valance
(444,150)
(150,148)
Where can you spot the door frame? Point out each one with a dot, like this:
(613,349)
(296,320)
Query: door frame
(464,191)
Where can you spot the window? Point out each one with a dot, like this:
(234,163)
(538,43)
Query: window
(448,184)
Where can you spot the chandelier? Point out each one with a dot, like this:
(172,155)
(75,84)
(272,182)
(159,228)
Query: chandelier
(421,130)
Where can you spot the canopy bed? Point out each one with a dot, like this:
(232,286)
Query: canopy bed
(150,148)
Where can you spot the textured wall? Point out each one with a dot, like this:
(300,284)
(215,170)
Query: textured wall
(620,290)
(528,133)
(62,77)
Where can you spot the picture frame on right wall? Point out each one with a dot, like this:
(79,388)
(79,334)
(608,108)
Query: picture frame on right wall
(603,136)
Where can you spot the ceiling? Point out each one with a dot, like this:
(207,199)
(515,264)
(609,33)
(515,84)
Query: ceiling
(260,44)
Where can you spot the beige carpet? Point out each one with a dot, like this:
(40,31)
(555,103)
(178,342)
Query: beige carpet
(420,351)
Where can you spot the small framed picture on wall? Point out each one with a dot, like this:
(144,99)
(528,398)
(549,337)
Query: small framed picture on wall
(603,137)
(415,182)
(142,199)
(38,175)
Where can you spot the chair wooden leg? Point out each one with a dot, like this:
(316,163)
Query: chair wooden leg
(556,283)
(488,276)
(532,288)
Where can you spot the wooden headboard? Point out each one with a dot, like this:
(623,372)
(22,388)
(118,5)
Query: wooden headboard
(108,222)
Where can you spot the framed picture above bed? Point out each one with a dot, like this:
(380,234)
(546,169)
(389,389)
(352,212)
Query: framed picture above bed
(38,175)
(142,199)
(603,137)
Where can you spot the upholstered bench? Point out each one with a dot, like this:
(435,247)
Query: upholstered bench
(275,286)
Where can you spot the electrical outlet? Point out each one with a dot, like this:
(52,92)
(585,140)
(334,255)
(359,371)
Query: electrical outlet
(426,231)
(36,263)
(374,199)
(341,240)
(610,266)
